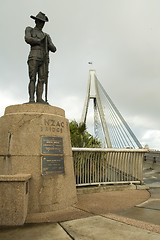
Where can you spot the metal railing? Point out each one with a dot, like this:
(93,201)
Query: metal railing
(108,166)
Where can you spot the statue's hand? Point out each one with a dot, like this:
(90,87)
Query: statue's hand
(38,41)
(42,39)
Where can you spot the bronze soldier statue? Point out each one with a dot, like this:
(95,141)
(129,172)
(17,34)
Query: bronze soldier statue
(38,59)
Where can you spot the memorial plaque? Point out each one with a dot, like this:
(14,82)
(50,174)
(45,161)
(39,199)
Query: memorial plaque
(52,165)
(52,145)
(52,155)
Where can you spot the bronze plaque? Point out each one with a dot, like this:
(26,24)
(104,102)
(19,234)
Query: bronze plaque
(52,145)
(52,155)
(52,165)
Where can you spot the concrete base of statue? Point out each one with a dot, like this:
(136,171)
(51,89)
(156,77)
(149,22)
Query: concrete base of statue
(35,139)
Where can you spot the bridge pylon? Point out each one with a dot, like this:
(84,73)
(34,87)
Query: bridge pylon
(116,131)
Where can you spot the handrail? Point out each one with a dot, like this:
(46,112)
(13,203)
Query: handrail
(108,166)
(110,150)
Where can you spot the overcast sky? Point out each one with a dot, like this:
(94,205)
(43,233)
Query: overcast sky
(121,38)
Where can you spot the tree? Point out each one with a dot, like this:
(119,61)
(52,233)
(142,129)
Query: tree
(81,138)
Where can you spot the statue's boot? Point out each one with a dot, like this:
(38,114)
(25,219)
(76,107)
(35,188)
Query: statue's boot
(31,89)
(39,92)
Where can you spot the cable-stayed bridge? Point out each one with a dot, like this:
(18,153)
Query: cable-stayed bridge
(109,125)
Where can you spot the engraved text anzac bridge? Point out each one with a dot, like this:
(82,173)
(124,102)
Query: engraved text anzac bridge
(109,125)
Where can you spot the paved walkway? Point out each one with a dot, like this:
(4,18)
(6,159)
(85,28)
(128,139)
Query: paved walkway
(130,214)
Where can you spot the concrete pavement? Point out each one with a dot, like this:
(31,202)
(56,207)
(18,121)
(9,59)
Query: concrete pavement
(149,211)
(96,228)
(101,228)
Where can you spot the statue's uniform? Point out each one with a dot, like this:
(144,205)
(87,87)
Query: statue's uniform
(38,59)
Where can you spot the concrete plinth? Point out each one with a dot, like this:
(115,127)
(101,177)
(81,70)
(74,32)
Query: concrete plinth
(22,131)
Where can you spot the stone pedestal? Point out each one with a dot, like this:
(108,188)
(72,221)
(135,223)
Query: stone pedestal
(35,139)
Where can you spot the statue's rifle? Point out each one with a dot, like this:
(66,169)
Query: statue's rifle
(46,68)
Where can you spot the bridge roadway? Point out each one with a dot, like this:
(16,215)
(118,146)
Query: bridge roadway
(132,214)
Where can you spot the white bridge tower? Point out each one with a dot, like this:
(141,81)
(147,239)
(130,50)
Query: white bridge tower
(107,118)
